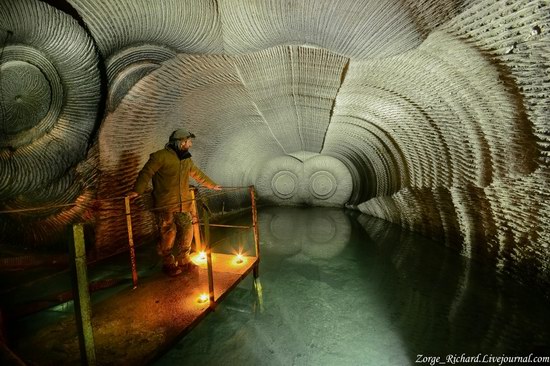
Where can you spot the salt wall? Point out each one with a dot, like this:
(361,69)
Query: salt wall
(433,115)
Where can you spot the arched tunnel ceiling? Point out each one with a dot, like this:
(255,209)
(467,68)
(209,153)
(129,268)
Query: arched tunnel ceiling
(429,114)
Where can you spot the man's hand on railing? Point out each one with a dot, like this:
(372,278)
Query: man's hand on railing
(217,187)
(132,195)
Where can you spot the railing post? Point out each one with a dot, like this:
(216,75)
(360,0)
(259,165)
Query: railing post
(81,296)
(131,241)
(206,220)
(195,220)
(256,270)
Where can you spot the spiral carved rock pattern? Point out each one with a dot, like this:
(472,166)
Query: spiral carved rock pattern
(49,96)
(327,182)
(27,96)
(135,37)
(435,111)
(426,127)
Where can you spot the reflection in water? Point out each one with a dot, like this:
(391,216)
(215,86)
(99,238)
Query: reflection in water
(314,233)
(453,305)
(343,289)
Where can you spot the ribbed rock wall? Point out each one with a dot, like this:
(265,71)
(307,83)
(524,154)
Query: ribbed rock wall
(431,114)
(485,191)
(49,101)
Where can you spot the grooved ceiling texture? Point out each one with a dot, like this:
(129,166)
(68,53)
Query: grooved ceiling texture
(433,115)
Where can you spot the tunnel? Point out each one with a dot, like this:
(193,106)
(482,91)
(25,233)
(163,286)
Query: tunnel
(432,116)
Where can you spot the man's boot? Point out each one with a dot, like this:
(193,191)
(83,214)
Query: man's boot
(170,266)
(186,264)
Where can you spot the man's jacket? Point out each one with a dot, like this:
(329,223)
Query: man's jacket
(170,179)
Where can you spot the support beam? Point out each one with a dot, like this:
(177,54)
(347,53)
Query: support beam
(256,231)
(82,304)
(131,241)
(195,221)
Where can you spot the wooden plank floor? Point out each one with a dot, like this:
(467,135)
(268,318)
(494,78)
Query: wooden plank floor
(133,327)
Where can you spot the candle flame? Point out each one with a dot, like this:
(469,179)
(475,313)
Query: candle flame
(239,259)
(203,298)
(200,258)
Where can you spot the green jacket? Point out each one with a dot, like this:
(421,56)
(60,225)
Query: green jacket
(170,179)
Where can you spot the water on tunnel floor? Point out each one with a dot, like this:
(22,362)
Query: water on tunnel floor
(340,288)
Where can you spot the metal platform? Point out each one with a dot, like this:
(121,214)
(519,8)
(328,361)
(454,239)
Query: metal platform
(134,326)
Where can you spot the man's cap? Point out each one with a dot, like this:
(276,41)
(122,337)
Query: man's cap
(181,134)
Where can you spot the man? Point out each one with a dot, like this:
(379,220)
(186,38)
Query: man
(170,169)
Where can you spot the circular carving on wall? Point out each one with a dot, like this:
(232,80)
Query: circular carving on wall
(322,184)
(127,67)
(32,96)
(27,96)
(52,100)
(50,96)
(284,184)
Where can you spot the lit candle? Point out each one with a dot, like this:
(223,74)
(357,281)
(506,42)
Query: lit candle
(200,258)
(202,298)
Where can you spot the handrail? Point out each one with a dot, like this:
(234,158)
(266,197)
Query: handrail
(229,226)
(127,213)
(124,213)
(79,254)
(95,202)
(206,224)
